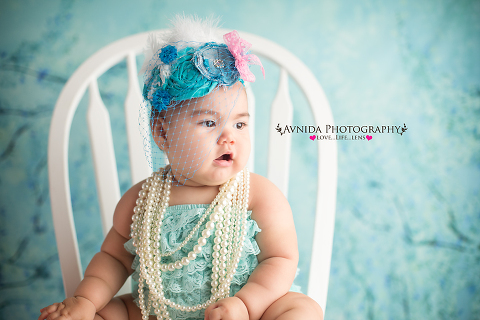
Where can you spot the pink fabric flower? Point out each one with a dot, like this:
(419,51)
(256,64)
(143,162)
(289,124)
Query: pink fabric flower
(239,49)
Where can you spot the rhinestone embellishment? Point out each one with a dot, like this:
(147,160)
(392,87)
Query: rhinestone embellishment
(219,63)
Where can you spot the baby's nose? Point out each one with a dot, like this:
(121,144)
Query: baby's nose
(226,136)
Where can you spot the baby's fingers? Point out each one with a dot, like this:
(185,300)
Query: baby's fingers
(52,312)
(45,312)
(217,312)
(209,310)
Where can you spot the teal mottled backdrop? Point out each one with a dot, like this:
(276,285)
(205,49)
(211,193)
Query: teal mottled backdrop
(407,234)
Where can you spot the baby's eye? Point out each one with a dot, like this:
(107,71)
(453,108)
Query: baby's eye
(208,123)
(240,125)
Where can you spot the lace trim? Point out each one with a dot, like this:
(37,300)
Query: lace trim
(190,286)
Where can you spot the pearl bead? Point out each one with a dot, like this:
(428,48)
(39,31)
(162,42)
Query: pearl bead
(210,225)
(197,249)
(202,241)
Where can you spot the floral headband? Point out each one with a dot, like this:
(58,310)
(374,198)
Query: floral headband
(190,72)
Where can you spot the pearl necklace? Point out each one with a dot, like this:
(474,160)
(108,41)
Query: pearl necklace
(227,218)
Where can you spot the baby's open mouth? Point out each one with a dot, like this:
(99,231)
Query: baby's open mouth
(225,157)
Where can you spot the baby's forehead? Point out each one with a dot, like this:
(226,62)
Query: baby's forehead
(221,101)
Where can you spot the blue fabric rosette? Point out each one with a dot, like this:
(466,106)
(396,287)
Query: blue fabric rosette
(216,63)
(186,81)
(193,73)
(168,54)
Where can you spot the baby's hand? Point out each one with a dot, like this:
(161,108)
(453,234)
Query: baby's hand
(75,308)
(231,308)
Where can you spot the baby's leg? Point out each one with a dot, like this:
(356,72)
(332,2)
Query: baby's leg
(120,308)
(294,306)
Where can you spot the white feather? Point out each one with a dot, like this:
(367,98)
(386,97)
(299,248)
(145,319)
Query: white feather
(193,28)
(190,31)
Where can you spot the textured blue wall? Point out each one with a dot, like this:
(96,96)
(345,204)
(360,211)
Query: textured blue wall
(407,242)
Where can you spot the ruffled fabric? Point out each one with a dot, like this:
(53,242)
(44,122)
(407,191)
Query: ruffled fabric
(190,285)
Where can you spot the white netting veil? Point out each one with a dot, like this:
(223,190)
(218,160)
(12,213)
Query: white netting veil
(193,95)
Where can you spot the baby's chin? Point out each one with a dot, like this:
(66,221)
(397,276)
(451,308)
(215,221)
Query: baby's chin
(199,180)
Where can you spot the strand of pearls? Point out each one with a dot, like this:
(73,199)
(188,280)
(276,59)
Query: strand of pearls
(228,214)
(205,234)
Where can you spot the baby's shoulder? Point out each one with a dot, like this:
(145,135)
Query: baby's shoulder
(122,217)
(263,191)
(268,204)
(130,197)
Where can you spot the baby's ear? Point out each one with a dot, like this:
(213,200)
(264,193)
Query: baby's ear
(158,132)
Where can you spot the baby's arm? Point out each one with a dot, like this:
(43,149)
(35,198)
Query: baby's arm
(106,272)
(278,257)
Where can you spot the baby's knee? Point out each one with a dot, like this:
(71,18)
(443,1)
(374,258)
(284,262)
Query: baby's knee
(300,300)
(294,305)
(116,309)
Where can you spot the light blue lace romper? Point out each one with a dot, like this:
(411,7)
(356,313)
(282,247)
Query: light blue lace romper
(191,285)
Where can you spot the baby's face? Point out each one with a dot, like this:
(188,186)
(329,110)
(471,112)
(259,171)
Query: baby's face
(207,139)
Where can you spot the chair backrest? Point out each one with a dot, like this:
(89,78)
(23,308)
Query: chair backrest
(105,165)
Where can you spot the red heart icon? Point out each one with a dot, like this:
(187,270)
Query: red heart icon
(369,138)
(312,138)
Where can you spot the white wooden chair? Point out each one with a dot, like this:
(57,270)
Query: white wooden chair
(105,165)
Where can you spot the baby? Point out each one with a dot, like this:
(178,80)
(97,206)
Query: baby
(202,237)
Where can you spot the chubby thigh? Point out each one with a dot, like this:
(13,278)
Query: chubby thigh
(121,308)
(294,305)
